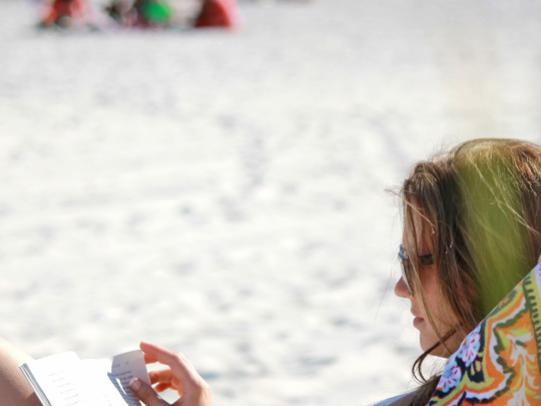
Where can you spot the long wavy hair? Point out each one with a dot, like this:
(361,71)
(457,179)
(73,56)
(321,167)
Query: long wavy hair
(481,206)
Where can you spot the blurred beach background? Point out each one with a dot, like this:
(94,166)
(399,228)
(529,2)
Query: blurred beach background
(226,194)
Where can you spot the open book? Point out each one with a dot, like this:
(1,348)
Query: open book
(66,380)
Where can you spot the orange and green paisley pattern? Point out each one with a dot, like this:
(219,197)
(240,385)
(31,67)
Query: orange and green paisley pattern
(499,362)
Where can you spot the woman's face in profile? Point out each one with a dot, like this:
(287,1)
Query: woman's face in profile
(441,313)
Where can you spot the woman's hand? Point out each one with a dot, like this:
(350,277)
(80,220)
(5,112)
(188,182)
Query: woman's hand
(180,376)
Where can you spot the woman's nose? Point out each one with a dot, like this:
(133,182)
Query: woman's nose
(401,288)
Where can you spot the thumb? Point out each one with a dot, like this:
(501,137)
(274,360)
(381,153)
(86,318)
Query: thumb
(145,393)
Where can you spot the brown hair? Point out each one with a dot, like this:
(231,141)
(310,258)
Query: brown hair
(481,207)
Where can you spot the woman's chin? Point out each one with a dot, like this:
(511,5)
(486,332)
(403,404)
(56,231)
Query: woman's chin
(439,351)
(423,344)
(428,342)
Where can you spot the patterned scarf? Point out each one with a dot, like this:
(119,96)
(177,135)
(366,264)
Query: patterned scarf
(499,362)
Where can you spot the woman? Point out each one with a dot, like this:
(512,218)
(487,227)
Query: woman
(472,223)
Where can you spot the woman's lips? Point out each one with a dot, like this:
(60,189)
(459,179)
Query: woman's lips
(418,321)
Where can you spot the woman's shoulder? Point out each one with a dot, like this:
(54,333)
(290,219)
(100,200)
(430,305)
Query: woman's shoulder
(399,400)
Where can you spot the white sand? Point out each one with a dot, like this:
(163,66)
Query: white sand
(223,193)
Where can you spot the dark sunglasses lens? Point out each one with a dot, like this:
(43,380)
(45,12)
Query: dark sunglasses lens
(402,253)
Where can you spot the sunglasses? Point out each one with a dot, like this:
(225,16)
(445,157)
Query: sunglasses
(407,267)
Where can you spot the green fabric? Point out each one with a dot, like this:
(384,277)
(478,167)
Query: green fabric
(495,224)
(157,11)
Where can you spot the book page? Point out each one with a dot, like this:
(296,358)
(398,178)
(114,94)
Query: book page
(65,380)
(59,380)
(111,379)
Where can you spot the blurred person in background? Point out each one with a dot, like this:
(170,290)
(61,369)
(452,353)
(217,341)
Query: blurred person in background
(152,13)
(141,13)
(121,11)
(217,13)
(159,13)
(63,13)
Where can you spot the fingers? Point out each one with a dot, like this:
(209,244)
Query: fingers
(162,386)
(145,393)
(179,365)
(163,379)
(182,376)
(150,359)
(165,375)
